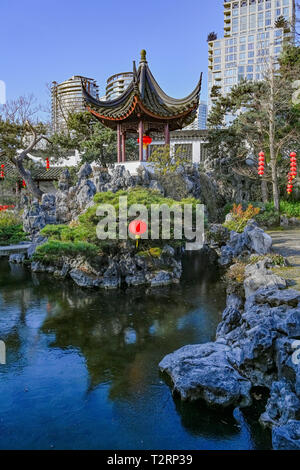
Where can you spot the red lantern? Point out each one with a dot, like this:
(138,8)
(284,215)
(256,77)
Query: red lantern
(147,140)
(293,171)
(261,163)
(47,164)
(2,171)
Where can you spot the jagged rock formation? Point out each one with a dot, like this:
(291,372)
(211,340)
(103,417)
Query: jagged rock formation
(257,345)
(126,268)
(69,201)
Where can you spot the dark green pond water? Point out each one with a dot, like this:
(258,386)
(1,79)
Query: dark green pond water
(82,371)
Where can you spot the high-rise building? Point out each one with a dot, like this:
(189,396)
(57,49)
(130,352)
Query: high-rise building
(194,125)
(201,118)
(67,98)
(117,84)
(254,31)
(202,115)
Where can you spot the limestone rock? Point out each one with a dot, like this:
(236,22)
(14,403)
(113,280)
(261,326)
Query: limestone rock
(85,171)
(257,275)
(156,186)
(82,279)
(202,371)
(283,405)
(276,297)
(257,240)
(286,437)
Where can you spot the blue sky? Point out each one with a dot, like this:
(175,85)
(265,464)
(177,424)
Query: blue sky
(43,40)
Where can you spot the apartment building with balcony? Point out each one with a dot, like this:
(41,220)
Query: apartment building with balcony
(67,98)
(117,84)
(251,38)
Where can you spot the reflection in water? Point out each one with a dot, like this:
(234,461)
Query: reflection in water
(82,365)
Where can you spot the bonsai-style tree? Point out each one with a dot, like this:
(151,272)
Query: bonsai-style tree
(21,133)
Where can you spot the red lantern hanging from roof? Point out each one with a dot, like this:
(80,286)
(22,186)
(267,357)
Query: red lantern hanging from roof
(47,164)
(2,171)
(147,140)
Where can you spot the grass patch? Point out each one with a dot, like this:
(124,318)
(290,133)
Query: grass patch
(236,273)
(54,250)
(154,252)
(277,260)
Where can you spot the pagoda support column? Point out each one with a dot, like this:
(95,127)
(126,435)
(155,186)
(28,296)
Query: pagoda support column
(124,147)
(119,144)
(147,153)
(167,134)
(141,134)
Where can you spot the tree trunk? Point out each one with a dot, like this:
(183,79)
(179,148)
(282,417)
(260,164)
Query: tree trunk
(26,176)
(264,191)
(275,185)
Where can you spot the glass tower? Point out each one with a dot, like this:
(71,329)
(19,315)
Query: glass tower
(250,38)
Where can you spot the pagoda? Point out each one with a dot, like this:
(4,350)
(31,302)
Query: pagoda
(143,108)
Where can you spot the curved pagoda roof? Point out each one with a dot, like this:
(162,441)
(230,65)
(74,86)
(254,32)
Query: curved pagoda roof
(144,100)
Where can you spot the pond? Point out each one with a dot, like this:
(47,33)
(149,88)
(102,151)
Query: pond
(82,366)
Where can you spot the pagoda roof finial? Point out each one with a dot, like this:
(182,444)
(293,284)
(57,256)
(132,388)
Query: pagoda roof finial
(143,55)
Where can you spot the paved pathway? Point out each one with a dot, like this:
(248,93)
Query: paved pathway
(287,244)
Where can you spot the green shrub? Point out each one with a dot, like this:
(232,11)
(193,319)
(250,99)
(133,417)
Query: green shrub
(240,217)
(270,217)
(12,235)
(85,228)
(290,209)
(54,232)
(54,250)
(236,273)
(11,230)
(154,252)
(9,218)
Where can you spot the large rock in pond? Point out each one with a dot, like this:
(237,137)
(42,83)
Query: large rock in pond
(202,371)
(82,279)
(283,405)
